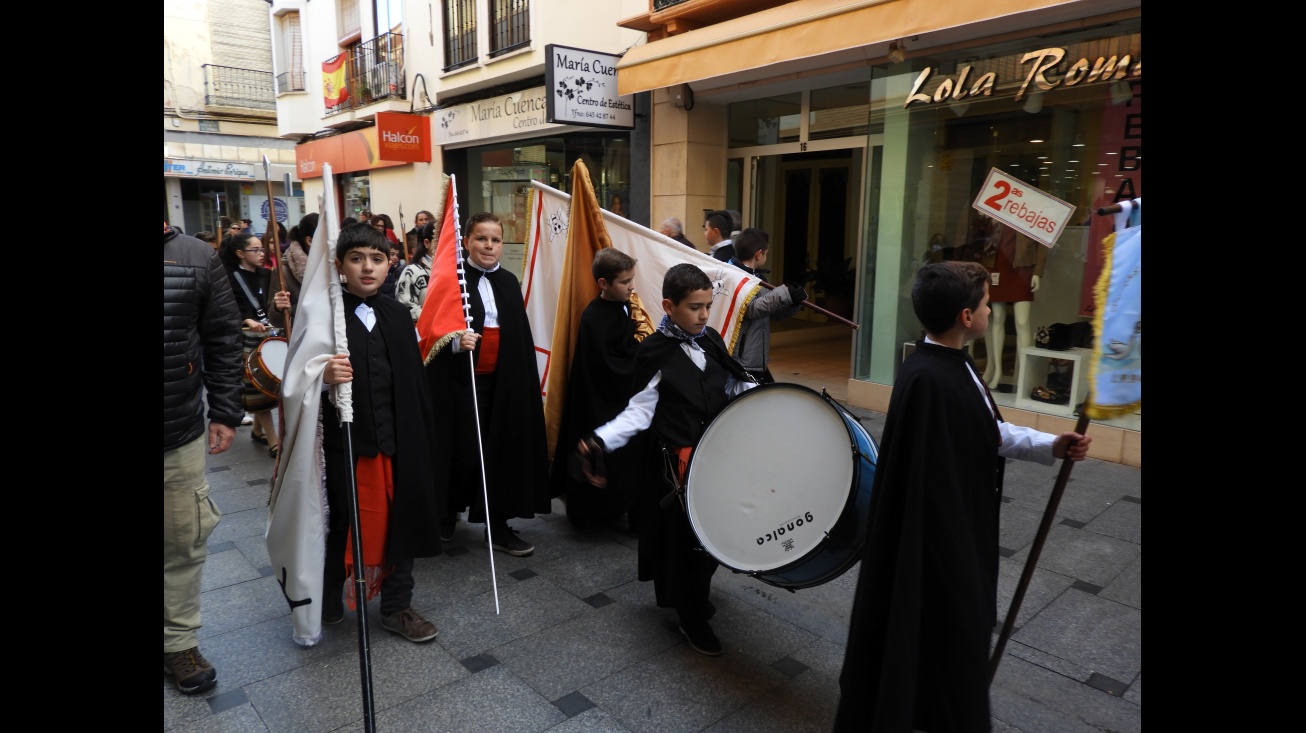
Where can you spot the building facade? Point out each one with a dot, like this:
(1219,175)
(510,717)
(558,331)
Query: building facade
(220,119)
(860,135)
(411,92)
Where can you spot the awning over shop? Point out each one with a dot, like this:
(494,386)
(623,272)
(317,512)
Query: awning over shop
(838,30)
(347,152)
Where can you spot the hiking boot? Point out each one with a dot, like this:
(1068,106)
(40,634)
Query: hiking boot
(333,607)
(410,625)
(506,540)
(701,637)
(192,671)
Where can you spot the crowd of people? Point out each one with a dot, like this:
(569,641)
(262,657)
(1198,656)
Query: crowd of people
(642,395)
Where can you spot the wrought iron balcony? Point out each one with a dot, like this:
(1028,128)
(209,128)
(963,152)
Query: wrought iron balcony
(290,81)
(374,71)
(227,86)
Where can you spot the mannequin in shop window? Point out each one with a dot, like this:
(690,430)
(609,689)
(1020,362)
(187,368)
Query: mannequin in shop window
(1014,277)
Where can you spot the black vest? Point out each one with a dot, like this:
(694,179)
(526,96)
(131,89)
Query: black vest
(688,399)
(373,429)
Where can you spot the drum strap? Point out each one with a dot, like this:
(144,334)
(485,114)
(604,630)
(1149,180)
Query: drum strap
(262,317)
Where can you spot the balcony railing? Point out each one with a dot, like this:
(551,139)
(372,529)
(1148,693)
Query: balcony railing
(664,4)
(226,86)
(510,26)
(374,71)
(290,81)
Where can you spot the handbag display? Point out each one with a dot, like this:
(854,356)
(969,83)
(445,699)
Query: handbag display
(1062,336)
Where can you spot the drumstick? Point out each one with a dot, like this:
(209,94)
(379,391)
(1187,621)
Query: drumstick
(276,243)
(816,308)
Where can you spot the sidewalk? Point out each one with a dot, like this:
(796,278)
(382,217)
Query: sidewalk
(579,644)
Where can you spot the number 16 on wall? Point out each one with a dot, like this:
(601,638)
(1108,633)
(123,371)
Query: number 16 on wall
(1022,207)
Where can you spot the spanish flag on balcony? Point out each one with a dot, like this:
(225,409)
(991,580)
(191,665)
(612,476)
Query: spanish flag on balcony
(334,92)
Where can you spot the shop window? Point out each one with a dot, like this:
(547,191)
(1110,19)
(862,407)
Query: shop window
(459,33)
(510,26)
(842,111)
(766,121)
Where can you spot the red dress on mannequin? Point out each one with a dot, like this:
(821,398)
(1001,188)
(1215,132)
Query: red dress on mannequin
(1016,262)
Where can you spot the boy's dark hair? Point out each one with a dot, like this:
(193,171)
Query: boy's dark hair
(610,262)
(720,221)
(307,226)
(683,279)
(943,289)
(749,242)
(424,232)
(360,235)
(478,218)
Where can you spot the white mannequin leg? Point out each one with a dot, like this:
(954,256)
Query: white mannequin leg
(1024,334)
(993,342)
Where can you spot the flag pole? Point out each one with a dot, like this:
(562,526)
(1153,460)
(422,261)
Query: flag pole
(1063,476)
(345,407)
(817,308)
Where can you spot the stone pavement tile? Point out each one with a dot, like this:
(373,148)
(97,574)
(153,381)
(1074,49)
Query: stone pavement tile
(1031,698)
(1127,587)
(804,704)
(746,629)
(255,550)
(238,525)
(471,627)
(1081,500)
(226,568)
(1063,667)
(1122,520)
(237,606)
(586,649)
(242,719)
(1127,480)
(591,569)
(593,720)
(240,498)
(1018,525)
(265,650)
(240,475)
(823,610)
(1135,692)
(1044,587)
(181,710)
(682,690)
(822,657)
(490,701)
(1104,636)
(327,694)
(1083,555)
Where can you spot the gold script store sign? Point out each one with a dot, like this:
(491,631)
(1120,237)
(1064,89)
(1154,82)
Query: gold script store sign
(1040,72)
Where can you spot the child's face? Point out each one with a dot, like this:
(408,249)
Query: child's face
(691,312)
(620,288)
(364,270)
(485,244)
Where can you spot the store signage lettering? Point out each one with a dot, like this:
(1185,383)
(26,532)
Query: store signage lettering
(207,169)
(1040,73)
(582,89)
(1030,211)
(494,117)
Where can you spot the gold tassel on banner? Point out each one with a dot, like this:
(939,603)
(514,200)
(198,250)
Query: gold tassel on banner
(643,324)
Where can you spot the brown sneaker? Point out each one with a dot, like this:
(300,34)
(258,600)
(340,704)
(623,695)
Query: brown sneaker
(410,625)
(192,671)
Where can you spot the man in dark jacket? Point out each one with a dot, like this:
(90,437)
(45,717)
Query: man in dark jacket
(201,353)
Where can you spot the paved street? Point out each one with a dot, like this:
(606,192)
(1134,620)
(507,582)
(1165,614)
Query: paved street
(579,644)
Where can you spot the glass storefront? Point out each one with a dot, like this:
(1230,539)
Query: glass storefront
(499,179)
(973,112)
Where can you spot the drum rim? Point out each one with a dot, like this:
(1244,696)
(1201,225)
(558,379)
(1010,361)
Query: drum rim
(849,501)
(257,352)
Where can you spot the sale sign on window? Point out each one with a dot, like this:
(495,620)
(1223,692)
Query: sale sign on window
(1022,207)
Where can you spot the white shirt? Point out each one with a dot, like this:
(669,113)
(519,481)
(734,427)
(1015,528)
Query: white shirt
(1019,442)
(487,297)
(638,413)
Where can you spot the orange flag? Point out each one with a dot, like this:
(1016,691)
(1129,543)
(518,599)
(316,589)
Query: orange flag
(586,236)
(444,314)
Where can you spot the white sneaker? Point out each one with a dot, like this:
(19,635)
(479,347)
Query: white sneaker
(248,419)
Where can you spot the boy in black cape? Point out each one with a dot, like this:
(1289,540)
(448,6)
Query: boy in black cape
(683,377)
(597,389)
(926,601)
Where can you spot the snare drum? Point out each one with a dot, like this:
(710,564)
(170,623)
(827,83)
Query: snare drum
(265,363)
(792,510)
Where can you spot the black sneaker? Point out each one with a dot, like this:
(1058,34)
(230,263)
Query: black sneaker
(333,607)
(506,540)
(448,527)
(192,671)
(701,637)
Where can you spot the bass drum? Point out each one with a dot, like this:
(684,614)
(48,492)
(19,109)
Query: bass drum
(791,509)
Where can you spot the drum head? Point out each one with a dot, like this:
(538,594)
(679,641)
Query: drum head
(272,353)
(770,477)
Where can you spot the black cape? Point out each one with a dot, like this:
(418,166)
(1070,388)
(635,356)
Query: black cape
(926,600)
(512,422)
(598,387)
(415,510)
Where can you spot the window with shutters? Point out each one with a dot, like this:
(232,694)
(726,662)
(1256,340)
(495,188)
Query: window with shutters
(290,54)
(459,33)
(350,27)
(510,26)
